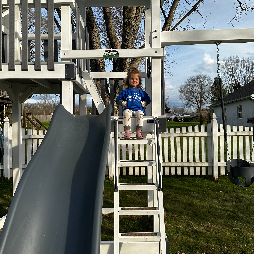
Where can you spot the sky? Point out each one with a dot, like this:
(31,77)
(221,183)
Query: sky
(192,60)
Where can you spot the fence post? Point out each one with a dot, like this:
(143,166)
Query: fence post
(6,159)
(215,146)
(111,157)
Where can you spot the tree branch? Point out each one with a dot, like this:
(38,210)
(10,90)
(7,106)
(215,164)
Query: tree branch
(169,19)
(188,14)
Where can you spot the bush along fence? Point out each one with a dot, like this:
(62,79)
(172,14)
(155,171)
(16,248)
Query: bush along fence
(198,150)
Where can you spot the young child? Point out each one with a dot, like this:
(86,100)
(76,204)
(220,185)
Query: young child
(134,100)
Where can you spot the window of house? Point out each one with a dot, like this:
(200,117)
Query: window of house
(239,111)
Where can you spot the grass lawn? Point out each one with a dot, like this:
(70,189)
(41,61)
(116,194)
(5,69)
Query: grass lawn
(5,196)
(46,124)
(172,124)
(201,215)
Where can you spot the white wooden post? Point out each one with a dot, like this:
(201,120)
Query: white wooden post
(16,138)
(83,104)
(197,159)
(111,157)
(203,149)
(66,43)
(67,95)
(147,45)
(178,151)
(6,161)
(172,149)
(23,150)
(156,62)
(29,146)
(190,129)
(209,148)
(17,34)
(215,146)
(222,156)
(185,170)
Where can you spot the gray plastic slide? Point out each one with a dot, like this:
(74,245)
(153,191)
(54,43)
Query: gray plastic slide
(57,206)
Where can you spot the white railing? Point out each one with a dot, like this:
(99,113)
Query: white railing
(198,150)
(31,139)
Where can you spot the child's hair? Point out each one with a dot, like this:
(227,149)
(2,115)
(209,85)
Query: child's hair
(134,71)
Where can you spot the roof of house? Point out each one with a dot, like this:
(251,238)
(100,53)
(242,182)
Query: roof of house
(240,94)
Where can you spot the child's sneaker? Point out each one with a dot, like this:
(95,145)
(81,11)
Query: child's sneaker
(139,135)
(127,135)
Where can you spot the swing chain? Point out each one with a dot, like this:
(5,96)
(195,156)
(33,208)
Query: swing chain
(222,103)
(218,57)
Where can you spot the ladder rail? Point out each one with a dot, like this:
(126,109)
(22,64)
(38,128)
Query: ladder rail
(160,190)
(162,223)
(116,154)
(156,122)
(116,190)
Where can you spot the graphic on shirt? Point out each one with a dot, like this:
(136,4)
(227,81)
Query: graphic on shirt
(134,97)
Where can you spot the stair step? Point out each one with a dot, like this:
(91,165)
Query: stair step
(144,141)
(139,237)
(138,211)
(135,186)
(107,210)
(136,163)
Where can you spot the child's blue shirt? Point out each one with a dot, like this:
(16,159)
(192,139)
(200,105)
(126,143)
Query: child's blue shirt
(134,96)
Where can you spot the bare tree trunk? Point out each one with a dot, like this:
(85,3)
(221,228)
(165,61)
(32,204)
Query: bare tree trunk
(94,40)
(131,22)
(111,32)
(96,65)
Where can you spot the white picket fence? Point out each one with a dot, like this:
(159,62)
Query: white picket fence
(31,139)
(198,150)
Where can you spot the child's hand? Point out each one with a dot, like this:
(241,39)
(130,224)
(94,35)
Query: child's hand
(124,103)
(143,104)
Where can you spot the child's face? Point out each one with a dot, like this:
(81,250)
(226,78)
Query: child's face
(134,80)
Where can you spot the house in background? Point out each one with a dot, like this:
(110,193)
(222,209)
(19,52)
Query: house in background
(239,106)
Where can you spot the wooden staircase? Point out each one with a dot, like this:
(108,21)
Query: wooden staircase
(153,186)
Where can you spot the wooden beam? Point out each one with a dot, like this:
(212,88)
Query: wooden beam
(79,89)
(117,53)
(7,86)
(59,72)
(43,82)
(106,3)
(43,2)
(207,36)
(26,94)
(46,37)
(120,75)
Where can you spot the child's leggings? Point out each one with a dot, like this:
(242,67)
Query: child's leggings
(127,114)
